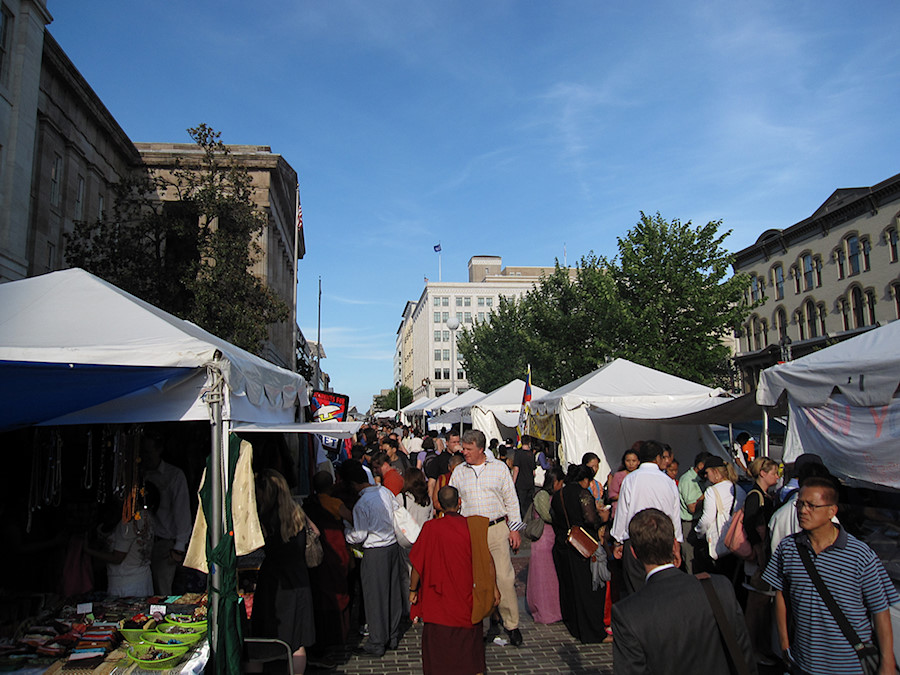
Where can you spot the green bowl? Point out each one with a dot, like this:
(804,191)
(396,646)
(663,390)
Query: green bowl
(162,638)
(139,653)
(186,620)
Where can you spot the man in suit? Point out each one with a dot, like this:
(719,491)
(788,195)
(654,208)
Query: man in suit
(667,626)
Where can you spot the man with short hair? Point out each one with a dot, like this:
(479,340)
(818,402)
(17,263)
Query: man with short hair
(668,627)
(486,489)
(523,473)
(645,487)
(390,478)
(373,528)
(690,495)
(852,573)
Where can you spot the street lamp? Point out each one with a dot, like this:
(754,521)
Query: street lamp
(453,324)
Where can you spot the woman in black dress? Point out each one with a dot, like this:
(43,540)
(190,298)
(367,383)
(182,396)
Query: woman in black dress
(582,607)
(282,603)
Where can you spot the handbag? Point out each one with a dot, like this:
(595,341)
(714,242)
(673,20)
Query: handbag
(405,526)
(577,537)
(314,551)
(736,537)
(716,543)
(534,524)
(868,653)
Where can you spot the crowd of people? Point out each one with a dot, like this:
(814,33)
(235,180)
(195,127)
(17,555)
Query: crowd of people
(714,568)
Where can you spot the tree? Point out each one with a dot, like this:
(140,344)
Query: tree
(664,302)
(190,255)
(389,400)
(676,298)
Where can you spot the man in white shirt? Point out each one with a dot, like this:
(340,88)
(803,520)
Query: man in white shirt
(646,487)
(373,529)
(486,489)
(173,517)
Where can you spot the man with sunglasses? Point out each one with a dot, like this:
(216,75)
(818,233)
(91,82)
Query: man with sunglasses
(853,575)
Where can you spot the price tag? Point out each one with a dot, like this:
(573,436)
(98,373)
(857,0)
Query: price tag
(158,608)
(84,608)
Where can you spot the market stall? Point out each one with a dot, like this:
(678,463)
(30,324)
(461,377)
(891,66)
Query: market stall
(497,413)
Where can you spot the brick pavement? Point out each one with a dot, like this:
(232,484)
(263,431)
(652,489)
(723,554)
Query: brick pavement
(546,649)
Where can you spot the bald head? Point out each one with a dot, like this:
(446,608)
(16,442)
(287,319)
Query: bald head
(448,498)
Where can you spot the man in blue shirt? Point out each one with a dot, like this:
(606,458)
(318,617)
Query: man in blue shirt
(851,572)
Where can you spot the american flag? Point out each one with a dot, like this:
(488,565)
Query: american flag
(299,217)
(437,248)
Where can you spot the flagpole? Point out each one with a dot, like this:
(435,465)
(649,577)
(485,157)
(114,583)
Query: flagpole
(297,222)
(440,255)
(319,339)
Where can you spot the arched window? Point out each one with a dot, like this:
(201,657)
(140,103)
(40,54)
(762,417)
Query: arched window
(807,271)
(839,261)
(817,265)
(781,323)
(801,326)
(754,288)
(812,327)
(778,281)
(821,312)
(870,306)
(853,254)
(795,274)
(890,236)
(857,307)
(866,250)
(755,330)
(845,313)
(895,291)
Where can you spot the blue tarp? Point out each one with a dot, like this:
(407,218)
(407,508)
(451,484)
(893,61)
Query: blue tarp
(31,393)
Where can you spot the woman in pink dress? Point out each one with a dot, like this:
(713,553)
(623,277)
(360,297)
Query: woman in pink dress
(630,462)
(542,591)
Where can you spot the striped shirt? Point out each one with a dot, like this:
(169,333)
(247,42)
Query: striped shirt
(487,490)
(859,585)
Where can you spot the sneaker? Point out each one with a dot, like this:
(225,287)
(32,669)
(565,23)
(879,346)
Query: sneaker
(515,637)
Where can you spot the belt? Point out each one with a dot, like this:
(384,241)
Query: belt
(497,520)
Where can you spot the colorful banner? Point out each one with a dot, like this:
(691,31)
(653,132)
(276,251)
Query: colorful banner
(327,406)
(543,427)
(855,443)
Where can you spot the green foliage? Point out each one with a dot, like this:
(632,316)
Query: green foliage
(663,302)
(190,256)
(389,400)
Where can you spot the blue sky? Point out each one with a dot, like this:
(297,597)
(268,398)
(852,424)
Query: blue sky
(503,128)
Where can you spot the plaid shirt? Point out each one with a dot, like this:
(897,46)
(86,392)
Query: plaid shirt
(490,493)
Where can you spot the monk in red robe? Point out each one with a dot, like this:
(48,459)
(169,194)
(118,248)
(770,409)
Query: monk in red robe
(441,584)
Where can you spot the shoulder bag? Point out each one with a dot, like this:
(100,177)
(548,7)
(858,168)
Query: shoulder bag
(314,551)
(868,653)
(736,536)
(578,538)
(726,630)
(716,540)
(406,528)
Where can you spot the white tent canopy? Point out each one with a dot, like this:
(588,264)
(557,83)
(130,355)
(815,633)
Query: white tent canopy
(865,369)
(75,349)
(606,411)
(497,413)
(330,428)
(456,410)
(844,406)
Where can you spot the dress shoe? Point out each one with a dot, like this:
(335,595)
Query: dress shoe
(515,637)
(369,650)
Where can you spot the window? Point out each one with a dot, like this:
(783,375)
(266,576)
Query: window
(445,316)
(446,336)
(445,301)
(79,199)
(446,355)
(870,305)
(839,261)
(891,238)
(853,254)
(856,306)
(481,302)
(754,289)
(801,326)
(866,250)
(807,271)
(6,26)
(437,354)
(437,336)
(437,301)
(781,323)
(437,317)
(812,327)
(55,177)
(468,317)
(817,267)
(778,277)
(822,330)
(895,291)
(460,375)
(437,373)
(459,316)
(480,317)
(845,313)
(490,301)
(755,331)
(795,275)
(458,302)
(446,373)
(467,302)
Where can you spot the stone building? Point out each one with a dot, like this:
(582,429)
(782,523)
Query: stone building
(822,280)
(62,152)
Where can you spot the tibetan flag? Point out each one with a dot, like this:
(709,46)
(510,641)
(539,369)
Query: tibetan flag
(522,427)
(437,248)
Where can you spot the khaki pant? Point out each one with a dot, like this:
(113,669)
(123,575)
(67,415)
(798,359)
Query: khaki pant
(498,543)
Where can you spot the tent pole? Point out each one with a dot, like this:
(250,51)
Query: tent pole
(214,399)
(765,432)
